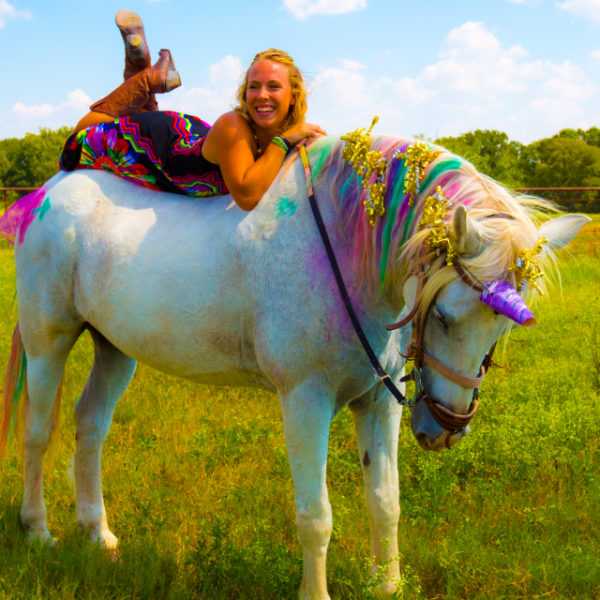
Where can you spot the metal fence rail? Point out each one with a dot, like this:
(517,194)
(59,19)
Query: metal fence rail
(563,189)
(14,189)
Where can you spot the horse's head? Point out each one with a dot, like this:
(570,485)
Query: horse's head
(454,329)
(427,230)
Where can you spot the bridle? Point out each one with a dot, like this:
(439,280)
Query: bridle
(454,423)
(450,421)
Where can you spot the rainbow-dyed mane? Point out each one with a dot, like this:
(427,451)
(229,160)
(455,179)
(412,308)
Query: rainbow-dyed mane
(393,244)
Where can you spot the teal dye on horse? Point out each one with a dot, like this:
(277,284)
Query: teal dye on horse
(43,208)
(285,207)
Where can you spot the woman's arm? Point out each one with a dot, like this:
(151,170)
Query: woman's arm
(230,141)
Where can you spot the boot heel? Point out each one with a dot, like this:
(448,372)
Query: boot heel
(135,47)
(173,81)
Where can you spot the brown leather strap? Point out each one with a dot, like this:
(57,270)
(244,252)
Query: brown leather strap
(446,418)
(402,322)
(410,316)
(427,260)
(453,376)
(466,279)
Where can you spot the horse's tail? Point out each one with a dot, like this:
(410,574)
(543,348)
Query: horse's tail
(16,399)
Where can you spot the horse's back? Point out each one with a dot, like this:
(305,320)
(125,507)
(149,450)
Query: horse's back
(155,273)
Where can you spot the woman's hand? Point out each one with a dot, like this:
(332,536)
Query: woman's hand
(303,133)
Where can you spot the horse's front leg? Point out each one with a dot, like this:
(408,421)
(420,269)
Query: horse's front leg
(307,413)
(377,419)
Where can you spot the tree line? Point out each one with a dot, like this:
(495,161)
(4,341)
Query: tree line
(571,158)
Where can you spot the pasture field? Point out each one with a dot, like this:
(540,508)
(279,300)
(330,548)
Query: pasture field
(198,488)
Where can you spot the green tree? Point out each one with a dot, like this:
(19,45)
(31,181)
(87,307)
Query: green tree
(30,161)
(564,162)
(491,152)
(591,136)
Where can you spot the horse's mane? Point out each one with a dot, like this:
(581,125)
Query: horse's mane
(393,245)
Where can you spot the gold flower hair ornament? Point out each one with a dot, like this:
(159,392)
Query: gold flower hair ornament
(434,218)
(417,158)
(366,163)
(527,268)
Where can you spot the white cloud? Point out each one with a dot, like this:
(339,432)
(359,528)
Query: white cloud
(516,1)
(212,100)
(587,9)
(302,9)
(596,54)
(473,64)
(226,71)
(479,83)
(67,112)
(344,99)
(567,82)
(352,65)
(8,11)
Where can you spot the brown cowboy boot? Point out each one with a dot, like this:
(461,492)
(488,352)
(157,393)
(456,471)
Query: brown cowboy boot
(132,95)
(137,54)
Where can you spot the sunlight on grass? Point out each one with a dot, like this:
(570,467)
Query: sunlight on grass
(198,488)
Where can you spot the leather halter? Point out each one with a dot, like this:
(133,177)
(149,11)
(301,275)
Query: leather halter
(444,417)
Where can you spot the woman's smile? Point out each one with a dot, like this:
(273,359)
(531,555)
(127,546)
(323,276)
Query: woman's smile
(269,94)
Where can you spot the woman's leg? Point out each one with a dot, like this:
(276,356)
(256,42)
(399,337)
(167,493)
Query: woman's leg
(132,95)
(91,119)
(137,54)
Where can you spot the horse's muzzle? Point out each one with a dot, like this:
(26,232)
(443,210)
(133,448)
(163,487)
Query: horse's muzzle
(428,433)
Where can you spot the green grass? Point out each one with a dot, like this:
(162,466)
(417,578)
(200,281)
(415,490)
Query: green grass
(199,492)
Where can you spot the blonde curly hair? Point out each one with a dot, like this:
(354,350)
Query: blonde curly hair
(297,111)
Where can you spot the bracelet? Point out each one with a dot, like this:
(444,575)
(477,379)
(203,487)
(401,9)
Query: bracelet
(282,142)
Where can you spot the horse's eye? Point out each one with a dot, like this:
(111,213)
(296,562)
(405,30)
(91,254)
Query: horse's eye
(440,317)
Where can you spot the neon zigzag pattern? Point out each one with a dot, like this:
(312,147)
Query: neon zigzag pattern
(207,184)
(190,182)
(188,143)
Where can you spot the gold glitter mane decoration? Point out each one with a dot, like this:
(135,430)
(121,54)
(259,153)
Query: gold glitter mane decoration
(434,218)
(527,268)
(366,163)
(417,158)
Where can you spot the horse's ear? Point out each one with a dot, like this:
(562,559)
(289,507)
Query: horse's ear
(560,231)
(464,233)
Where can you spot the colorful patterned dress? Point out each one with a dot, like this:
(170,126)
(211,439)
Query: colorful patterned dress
(159,150)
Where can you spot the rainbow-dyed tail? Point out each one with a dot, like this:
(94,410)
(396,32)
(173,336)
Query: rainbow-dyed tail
(16,398)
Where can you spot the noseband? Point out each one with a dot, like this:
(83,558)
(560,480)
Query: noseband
(452,422)
(415,350)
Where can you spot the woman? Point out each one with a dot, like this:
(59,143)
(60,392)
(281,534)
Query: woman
(240,154)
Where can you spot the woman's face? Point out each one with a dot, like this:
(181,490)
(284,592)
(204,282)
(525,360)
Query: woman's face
(269,94)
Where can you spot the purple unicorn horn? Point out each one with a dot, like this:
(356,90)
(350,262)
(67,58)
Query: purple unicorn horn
(504,299)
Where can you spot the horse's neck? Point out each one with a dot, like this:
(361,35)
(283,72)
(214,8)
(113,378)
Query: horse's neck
(366,297)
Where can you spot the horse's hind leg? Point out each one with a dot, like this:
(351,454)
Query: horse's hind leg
(46,359)
(377,426)
(110,376)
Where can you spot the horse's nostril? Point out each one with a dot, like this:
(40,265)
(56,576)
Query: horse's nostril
(422,438)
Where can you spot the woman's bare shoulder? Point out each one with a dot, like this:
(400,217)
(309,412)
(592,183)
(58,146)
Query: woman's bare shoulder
(232,120)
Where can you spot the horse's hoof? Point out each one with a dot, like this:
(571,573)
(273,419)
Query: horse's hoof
(104,539)
(387,590)
(40,537)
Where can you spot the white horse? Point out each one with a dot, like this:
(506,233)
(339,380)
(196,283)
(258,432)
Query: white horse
(200,289)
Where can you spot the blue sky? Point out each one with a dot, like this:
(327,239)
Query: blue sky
(527,67)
